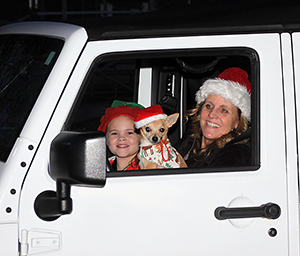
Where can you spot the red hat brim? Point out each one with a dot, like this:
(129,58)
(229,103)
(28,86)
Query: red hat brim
(112,113)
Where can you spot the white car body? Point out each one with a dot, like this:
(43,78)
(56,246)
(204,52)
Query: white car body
(167,214)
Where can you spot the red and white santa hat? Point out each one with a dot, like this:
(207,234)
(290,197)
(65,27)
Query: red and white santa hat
(232,85)
(148,115)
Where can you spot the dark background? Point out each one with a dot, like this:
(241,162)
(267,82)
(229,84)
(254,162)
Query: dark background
(64,10)
(20,10)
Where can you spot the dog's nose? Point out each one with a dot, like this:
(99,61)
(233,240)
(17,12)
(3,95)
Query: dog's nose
(154,139)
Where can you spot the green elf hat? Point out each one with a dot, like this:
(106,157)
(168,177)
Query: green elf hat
(117,103)
(119,108)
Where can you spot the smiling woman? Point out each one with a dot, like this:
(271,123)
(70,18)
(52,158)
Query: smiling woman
(222,114)
(218,117)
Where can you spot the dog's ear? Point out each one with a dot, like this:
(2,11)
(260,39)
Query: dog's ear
(171,119)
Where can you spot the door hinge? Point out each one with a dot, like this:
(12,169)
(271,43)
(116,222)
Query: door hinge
(33,242)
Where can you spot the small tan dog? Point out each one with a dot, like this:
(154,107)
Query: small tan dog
(155,147)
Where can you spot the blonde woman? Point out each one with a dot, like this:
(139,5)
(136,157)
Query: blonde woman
(222,113)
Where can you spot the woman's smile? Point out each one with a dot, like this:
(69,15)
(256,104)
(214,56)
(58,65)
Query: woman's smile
(212,125)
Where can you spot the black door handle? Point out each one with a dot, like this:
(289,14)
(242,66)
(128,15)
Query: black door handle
(269,211)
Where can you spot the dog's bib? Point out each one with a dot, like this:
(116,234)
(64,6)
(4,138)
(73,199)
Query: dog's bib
(162,154)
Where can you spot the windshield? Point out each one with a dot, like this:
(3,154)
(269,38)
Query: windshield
(25,64)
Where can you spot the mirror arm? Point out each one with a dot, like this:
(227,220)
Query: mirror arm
(75,159)
(50,205)
(63,191)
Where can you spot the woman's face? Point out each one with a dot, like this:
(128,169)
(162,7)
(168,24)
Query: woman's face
(217,117)
(121,138)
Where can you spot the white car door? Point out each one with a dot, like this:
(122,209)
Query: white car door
(163,213)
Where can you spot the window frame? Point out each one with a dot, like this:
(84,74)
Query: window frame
(254,77)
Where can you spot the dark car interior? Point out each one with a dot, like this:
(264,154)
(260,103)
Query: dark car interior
(176,76)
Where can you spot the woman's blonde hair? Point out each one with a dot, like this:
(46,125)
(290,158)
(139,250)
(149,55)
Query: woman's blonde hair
(200,153)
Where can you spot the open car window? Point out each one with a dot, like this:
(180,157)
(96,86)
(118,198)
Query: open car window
(167,78)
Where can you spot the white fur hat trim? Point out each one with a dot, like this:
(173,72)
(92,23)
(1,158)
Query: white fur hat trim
(231,91)
(149,120)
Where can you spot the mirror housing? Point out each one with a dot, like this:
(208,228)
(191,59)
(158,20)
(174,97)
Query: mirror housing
(75,159)
(79,158)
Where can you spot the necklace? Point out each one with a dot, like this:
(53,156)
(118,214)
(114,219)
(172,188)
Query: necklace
(115,168)
(126,167)
(130,163)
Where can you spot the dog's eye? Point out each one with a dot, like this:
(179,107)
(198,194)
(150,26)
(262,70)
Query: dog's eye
(148,129)
(162,129)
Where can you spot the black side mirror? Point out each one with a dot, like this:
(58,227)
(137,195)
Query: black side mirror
(75,159)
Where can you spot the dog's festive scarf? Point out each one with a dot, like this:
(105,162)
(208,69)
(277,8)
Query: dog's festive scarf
(162,154)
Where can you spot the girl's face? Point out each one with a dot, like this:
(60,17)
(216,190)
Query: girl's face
(217,117)
(122,140)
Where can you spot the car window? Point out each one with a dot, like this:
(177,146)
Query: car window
(26,62)
(174,78)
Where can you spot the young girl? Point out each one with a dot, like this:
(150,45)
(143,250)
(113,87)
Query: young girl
(122,139)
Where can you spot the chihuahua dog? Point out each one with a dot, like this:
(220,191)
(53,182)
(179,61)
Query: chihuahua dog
(155,148)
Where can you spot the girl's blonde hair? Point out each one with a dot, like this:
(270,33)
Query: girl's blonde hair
(201,153)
